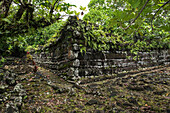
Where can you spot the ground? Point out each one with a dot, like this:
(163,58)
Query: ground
(144,90)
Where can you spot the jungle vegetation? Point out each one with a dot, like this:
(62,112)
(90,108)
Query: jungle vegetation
(26,24)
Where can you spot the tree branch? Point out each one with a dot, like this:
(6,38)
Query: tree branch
(52,9)
(19,13)
(4,8)
(21,2)
(136,16)
(157,12)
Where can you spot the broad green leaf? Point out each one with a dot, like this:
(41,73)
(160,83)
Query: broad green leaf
(134,3)
(6,20)
(82,8)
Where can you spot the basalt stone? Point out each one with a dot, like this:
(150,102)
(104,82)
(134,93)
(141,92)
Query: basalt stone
(22,93)
(76,72)
(75,54)
(93,101)
(9,78)
(132,100)
(10,81)
(159,92)
(99,111)
(18,101)
(2,98)
(18,88)
(136,87)
(13,75)
(11,108)
(113,94)
(76,63)
(75,47)
(1,70)
(7,74)
(3,88)
(1,76)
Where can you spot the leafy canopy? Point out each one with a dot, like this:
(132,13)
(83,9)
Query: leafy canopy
(130,14)
(143,24)
(22,22)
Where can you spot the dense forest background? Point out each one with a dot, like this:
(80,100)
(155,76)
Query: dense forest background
(26,24)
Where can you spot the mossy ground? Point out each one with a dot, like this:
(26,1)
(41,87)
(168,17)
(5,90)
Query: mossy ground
(148,92)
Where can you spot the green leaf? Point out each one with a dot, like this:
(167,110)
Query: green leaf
(25,97)
(83,49)
(46,4)
(6,20)
(82,8)
(134,3)
(166,28)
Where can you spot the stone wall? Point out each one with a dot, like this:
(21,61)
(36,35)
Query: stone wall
(64,57)
(95,63)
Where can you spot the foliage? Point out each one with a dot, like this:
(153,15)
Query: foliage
(32,39)
(128,24)
(31,13)
(90,35)
(22,22)
(121,13)
(43,35)
(2,60)
(143,24)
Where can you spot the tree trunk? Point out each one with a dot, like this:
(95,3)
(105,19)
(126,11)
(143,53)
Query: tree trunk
(19,13)
(4,8)
(29,13)
(52,10)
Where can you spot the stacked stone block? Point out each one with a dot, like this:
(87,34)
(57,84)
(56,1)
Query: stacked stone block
(65,59)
